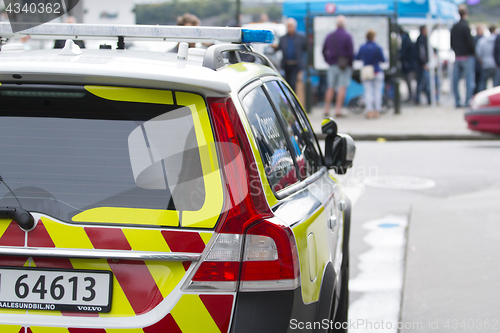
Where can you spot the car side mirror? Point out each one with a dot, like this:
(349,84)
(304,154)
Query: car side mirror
(340,149)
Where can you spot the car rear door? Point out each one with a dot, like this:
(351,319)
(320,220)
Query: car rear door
(313,210)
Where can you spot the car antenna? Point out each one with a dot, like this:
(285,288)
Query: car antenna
(11,192)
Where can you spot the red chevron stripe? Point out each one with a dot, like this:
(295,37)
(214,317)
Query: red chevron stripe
(39,237)
(108,238)
(13,236)
(27,331)
(186,265)
(86,330)
(220,308)
(184,241)
(167,324)
(22,330)
(137,284)
(12,261)
(61,263)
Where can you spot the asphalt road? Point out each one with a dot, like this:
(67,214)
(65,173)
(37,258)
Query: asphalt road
(388,178)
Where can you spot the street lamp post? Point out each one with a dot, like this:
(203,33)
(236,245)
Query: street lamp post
(238,11)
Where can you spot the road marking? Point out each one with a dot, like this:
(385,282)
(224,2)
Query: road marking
(381,277)
(395,182)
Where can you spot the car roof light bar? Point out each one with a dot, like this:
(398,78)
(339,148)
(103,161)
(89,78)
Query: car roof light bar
(163,32)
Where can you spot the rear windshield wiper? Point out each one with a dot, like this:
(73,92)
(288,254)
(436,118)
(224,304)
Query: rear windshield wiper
(20,215)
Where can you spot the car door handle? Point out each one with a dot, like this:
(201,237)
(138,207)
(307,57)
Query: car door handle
(332,222)
(342,205)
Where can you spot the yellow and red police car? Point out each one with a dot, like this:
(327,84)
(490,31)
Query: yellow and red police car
(169,192)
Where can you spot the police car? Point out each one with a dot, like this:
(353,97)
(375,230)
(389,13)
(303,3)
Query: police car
(168,192)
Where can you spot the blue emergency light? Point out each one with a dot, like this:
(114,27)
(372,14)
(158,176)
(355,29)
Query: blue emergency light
(257,36)
(140,32)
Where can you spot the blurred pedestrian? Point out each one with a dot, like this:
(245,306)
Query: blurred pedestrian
(479,35)
(422,51)
(463,46)
(484,55)
(408,59)
(496,56)
(338,53)
(372,75)
(188,20)
(60,43)
(292,45)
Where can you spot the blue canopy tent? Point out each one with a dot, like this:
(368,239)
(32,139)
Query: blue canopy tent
(411,11)
(402,9)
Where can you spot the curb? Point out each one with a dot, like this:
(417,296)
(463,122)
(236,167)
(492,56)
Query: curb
(419,137)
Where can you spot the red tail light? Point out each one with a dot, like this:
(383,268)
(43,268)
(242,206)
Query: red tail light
(242,177)
(285,266)
(246,211)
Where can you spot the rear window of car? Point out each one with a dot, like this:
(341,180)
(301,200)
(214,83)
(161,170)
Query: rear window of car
(109,155)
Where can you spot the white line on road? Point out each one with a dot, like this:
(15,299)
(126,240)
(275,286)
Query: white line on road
(381,277)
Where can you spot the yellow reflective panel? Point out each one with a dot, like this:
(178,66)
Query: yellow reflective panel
(4,224)
(11,311)
(192,316)
(206,237)
(10,328)
(36,329)
(138,216)
(316,224)
(67,236)
(45,313)
(124,330)
(146,240)
(138,95)
(208,215)
(167,275)
(120,306)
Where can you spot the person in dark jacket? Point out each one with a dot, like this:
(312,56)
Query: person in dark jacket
(462,44)
(408,58)
(293,45)
(496,56)
(338,52)
(478,67)
(422,51)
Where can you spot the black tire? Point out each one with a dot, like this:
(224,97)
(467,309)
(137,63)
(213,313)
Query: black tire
(357,105)
(341,315)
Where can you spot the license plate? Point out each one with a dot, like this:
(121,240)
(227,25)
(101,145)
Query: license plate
(55,290)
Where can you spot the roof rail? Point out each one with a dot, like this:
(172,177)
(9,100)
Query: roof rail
(214,60)
(138,32)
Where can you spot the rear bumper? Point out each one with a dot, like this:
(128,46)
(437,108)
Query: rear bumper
(271,311)
(484,120)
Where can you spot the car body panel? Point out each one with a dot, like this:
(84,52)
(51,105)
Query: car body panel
(306,212)
(484,120)
(483,114)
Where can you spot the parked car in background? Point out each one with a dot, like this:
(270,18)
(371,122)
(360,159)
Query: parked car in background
(483,113)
